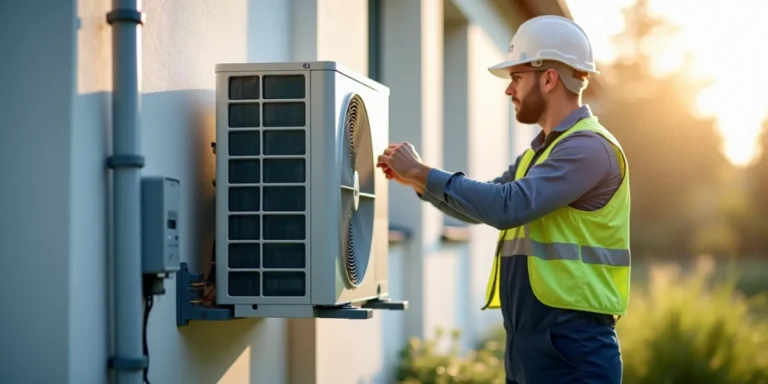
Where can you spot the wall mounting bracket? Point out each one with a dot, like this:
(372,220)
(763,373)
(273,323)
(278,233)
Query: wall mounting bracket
(386,304)
(362,312)
(189,299)
(189,304)
(348,312)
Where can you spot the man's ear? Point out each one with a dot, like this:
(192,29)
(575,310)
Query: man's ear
(550,80)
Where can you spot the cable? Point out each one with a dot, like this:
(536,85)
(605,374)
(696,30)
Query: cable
(211,278)
(149,300)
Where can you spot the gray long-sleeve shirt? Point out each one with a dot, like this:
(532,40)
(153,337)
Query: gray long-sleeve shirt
(581,171)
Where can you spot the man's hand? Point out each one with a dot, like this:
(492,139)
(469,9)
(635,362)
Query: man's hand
(391,175)
(402,162)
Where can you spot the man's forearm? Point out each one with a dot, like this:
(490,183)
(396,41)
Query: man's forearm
(488,202)
(575,166)
(443,207)
(419,176)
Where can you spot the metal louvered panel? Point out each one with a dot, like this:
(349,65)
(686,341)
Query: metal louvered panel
(267,185)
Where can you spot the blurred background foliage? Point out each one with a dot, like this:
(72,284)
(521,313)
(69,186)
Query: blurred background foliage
(683,328)
(699,250)
(687,199)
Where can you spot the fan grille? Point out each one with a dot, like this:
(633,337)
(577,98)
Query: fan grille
(357,176)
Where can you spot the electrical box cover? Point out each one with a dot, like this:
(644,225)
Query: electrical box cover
(301,218)
(160,205)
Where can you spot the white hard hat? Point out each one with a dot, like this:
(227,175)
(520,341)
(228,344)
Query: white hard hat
(548,38)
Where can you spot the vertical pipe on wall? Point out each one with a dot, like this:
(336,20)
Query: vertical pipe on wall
(126,162)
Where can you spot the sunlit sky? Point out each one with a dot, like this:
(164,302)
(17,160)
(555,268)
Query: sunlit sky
(727,41)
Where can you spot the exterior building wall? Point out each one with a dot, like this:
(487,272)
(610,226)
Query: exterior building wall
(55,114)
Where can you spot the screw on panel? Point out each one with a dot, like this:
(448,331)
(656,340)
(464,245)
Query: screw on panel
(305,65)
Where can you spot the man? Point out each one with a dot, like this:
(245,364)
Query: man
(561,269)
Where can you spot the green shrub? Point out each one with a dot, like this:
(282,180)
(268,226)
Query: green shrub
(422,362)
(693,329)
(680,329)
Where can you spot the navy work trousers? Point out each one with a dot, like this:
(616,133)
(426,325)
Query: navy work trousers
(564,354)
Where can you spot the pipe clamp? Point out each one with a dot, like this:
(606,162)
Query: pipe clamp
(125,161)
(126,15)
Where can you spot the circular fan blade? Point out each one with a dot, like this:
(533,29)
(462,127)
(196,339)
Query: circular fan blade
(364,159)
(347,174)
(362,228)
(347,208)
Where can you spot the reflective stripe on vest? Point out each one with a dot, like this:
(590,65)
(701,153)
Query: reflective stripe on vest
(564,251)
(576,259)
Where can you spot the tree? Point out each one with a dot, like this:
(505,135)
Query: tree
(672,154)
(757,175)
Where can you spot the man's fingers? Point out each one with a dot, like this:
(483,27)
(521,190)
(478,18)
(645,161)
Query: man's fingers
(392,147)
(382,163)
(389,151)
(388,172)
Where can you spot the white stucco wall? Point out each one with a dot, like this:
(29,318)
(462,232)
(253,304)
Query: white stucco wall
(35,194)
(482,138)
(412,68)
(182,41)
(55,120)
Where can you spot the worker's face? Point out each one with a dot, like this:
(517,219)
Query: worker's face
(526,93)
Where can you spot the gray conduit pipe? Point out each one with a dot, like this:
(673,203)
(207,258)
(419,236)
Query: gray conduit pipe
(126,162)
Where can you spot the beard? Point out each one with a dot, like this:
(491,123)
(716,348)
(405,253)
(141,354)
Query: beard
(531,109)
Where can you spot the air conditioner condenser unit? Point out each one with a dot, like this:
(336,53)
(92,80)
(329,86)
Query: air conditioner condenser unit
(301,211)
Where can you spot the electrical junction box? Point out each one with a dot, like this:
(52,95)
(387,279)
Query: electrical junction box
(160,206)
(301,211)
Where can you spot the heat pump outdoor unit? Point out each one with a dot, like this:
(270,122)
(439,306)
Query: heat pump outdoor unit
(301,210)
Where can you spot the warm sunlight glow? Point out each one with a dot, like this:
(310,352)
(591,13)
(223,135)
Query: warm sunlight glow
(726,44)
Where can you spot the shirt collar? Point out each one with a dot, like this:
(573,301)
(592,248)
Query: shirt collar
(574,117)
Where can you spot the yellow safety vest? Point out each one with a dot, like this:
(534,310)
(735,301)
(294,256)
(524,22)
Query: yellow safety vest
(576,259)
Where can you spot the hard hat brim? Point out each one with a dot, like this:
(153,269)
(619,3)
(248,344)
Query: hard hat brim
(502,69)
